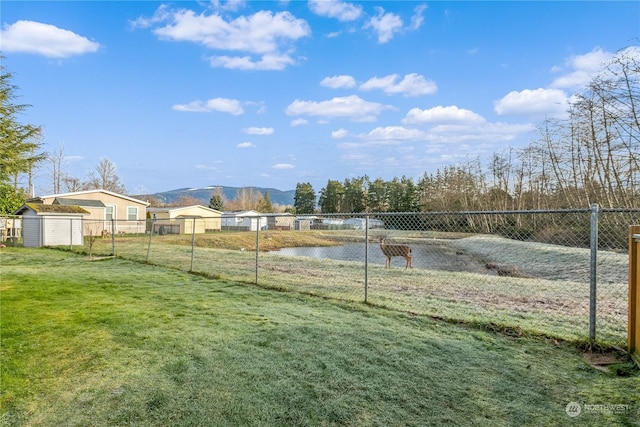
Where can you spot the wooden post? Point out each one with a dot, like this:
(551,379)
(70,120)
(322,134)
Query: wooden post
(634,293)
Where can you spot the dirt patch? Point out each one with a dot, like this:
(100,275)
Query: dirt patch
(612,361)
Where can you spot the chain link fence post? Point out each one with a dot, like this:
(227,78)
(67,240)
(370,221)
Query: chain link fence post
(149,245)
(593,271)
(257,244)
(193,242)
(366,257)
(113,237)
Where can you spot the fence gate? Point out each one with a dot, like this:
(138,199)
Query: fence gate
(634,292)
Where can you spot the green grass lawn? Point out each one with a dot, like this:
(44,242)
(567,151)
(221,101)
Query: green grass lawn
(115,342)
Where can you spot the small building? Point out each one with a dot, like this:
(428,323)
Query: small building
(308,222)
(243,220)
(280,221)
(185,219)
(51,225)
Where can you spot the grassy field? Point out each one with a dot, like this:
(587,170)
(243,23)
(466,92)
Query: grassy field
(548,296)
(116,342)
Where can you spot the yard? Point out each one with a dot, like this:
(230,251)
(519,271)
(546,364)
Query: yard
(539,288)
(119,342)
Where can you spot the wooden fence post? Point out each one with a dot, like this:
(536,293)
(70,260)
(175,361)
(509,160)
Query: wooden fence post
(633,332)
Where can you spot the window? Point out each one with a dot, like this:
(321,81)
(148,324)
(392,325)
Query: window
(109,213)
(132,213)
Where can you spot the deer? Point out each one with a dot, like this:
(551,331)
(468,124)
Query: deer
(390,251)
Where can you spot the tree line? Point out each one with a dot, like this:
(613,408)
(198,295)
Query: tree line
(591,156)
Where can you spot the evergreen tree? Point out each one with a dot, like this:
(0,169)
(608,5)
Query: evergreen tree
(331,197)
(355,195)
(264,205)
(217,200)
(377,199)
(19,143)
(304,199)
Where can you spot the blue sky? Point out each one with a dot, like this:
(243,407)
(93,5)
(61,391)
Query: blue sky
(251,93)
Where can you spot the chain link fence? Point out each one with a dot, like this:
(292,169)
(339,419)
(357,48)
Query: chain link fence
(557,273)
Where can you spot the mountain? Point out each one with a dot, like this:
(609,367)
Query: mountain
(280,197)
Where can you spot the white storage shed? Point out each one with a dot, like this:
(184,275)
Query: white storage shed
(51,225)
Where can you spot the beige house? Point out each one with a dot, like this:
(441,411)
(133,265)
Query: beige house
(185,219)
(113,212)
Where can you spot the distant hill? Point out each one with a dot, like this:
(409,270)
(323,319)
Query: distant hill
(280,197)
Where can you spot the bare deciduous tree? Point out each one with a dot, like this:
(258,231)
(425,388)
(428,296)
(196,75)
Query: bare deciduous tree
(105,177)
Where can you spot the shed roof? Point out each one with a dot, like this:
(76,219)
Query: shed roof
(42,209)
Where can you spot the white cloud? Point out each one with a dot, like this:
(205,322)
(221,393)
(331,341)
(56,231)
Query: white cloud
(258,131)
(161,14)
(299,122)
(231,5)
(205,167)
(245,145)
(283,166)
(44,39)
(417,19)
(337,82)
(441,114)
(581,69)
(258,33)
(411,85)
(536,103)
(223,105)
(265,37)
(486,133)
(352,107)
(266,62)
(340,10)
(340,133)
(393,135)
(384,24)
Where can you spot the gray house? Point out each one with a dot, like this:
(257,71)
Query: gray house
(51,225)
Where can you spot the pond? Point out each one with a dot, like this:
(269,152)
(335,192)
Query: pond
(434,255)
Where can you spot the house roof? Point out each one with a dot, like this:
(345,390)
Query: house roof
(241,213)
(79,202)
(179,208)
(81,193)
(42,209)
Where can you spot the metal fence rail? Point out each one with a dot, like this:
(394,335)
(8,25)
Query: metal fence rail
(560,273)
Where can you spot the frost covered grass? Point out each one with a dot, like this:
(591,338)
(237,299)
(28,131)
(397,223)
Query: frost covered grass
(533,287)
(117,342)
